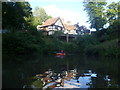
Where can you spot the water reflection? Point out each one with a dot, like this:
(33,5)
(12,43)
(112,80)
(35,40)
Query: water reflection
(66,79)
(70,71)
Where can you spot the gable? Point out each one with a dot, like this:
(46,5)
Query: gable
(59,23)
(49,22)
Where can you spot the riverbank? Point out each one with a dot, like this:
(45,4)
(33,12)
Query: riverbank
(23,43)
(101,43)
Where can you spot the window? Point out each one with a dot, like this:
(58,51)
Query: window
(59,28)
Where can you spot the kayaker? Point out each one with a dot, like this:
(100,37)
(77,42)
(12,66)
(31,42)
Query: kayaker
(61,51)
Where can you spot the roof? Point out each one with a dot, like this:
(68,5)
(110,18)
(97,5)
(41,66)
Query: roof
(46,78)
(50,22)
(70,27)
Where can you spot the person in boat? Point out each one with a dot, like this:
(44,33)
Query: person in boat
(62,51)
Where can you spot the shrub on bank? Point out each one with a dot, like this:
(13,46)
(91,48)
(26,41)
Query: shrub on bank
(108,48)
(22,43)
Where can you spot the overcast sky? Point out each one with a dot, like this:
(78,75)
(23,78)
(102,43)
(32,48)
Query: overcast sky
(70,10)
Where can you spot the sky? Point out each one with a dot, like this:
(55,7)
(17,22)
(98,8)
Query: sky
(70,10)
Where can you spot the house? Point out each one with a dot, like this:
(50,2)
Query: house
(51,25)
(57,24)
(83,30)
(70,29)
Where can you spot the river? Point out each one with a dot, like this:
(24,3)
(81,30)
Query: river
(92,72)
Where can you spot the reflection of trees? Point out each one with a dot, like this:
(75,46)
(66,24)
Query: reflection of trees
(98,82)
(102,66)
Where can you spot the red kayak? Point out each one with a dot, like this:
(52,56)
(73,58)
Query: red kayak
(60,54)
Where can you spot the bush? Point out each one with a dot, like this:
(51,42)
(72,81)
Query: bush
(109,48)
(22,43)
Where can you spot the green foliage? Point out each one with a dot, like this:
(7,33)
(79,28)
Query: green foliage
(108,48)
(38,84)
(35,42)
(16,15)
(106,39)
(112,12)
(40,16)
(22,43)
(32,42)
(57,34)
(102,43)
(85,42)
(96,14)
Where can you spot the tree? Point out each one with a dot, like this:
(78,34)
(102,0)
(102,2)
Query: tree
(40,16)
(15,15)
(96,14)
(113,16)
(112,12)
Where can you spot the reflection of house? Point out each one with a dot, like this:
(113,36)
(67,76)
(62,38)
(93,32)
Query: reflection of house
(51,25)
(46,80)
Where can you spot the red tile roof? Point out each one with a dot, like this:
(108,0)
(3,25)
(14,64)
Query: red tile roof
(70,27)
(50,22)
(53,20)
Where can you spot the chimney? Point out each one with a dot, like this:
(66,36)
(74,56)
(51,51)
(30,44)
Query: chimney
(68,22)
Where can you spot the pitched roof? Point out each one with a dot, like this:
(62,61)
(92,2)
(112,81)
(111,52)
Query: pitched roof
(70,27)
(50,22)
(53,20)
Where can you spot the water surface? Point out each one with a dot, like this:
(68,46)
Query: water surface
(21,72)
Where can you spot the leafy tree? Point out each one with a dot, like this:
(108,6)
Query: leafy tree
(113,16)
(112,12)
(40,16)
(96,14)
(15,15)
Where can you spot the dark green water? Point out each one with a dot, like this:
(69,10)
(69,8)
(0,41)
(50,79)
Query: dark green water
(20,70)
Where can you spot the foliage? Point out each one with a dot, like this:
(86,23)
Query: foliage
(96,14)
(40,16)
(38,84)
(85,41)
(106,39)
(57,34)
(108,48)
(102,42)
(112,12)
(30,42)
(16,15)
(22,43)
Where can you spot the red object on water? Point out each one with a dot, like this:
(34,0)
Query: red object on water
(60,54)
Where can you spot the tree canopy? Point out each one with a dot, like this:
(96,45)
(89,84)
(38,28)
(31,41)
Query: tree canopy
(15,15)
(40,16)
(112,12)
(99,14)
(96,14)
